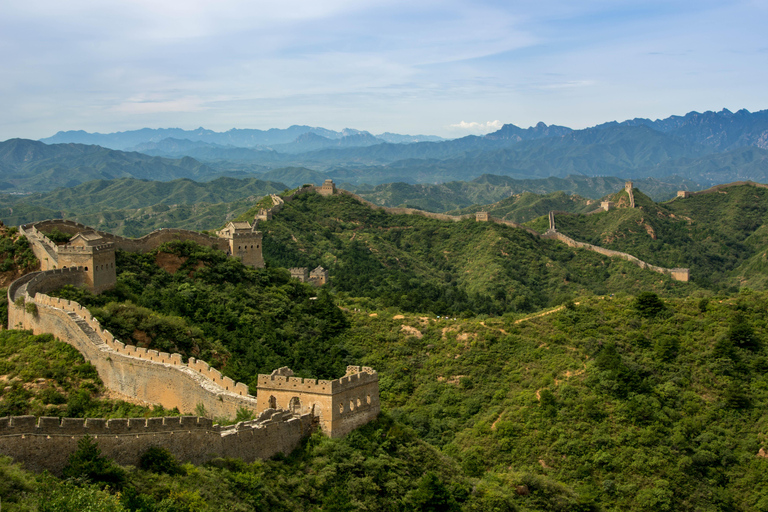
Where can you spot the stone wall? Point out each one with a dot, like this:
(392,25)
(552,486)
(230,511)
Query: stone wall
(717,188)
(340,405)
(46,443)
(678,274)
(134,372)
(144,244)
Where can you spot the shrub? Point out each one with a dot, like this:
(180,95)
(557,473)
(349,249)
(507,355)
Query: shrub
(649,305)
(31,308)
(160,460)
(87,463)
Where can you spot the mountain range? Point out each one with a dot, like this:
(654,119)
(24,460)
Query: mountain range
(704,149)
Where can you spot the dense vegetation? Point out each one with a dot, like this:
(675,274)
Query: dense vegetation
(652,399)
(721,236)
(609,404)
(419,264)
(241,320)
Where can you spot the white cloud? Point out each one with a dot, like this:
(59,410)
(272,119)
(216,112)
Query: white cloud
(475,127)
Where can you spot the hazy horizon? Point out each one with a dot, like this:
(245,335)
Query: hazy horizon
(428,68)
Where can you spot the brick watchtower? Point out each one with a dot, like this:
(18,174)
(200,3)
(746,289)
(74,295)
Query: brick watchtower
(244,243)
(97,257)
(341,405)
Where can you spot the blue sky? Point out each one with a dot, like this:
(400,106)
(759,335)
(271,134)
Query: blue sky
(448,68)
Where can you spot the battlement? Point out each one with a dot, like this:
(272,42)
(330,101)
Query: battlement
(125,369)
(246,235)
(84,249)
(30,425)
(296,384)
(45,443)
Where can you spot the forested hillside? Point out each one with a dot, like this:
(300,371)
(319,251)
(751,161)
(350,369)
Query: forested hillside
(516,374)
(712,234)
(419,264)
(624,403)
(133,208)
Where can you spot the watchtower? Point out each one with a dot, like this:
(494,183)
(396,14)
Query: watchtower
(341,405)
(97,257)
(263,214)
(318,276)
(300,273)
(328,188)
(244,243)
(481,217)
(628,187)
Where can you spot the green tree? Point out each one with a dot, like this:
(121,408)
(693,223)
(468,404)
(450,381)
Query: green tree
(649,305)
(87,463)
(431,495)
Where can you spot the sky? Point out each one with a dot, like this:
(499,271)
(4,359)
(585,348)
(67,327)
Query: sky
(448,67)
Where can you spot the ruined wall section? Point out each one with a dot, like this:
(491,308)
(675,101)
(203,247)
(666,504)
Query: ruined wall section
(134,372)
(46,444)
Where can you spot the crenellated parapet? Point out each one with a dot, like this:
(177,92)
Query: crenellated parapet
(45,443)
(134,372)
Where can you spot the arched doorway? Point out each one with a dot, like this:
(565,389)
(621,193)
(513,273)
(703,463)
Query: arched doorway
(272,402)
(295,405)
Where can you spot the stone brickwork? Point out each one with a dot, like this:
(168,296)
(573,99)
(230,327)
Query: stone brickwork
(46,443)
(328,188)
(340,405)
(161,378)
(244,243)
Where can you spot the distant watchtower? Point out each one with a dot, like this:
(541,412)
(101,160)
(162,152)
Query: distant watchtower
(328,188)
(481,217)
(628,187)
(97,257)
(244,243)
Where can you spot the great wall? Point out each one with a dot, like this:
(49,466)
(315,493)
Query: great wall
(328,188)
(287,408)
